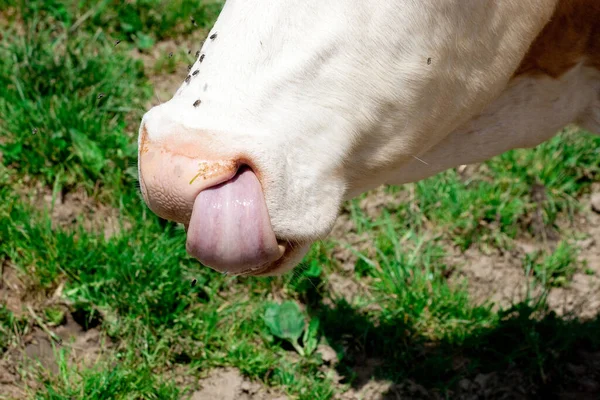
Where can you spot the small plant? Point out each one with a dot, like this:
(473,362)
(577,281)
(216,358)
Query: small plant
(11,327)
(555,269)
(287,322)
(144,42)
(54,316)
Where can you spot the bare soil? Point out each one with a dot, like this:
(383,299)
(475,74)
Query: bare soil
(36,347)
(74,210)
(229,384)
(500,277)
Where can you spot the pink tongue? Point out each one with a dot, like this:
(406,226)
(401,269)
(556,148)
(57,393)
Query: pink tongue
(230,229)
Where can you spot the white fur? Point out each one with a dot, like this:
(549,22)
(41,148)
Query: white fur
(528,112)
(332,98)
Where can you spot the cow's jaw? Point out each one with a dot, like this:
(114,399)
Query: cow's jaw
(321,98)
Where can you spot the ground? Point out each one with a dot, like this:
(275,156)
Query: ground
(480,282)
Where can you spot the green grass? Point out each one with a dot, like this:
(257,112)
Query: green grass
(64,104)
(141,22)
(135,286)
(10,328)
(556,268)
(126,381)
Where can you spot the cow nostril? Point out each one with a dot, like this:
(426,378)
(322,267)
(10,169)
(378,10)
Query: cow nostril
(172,174)
(244,167)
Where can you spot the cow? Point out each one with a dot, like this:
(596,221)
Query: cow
(292,108)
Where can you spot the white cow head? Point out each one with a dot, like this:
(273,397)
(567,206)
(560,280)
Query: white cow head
(294,107)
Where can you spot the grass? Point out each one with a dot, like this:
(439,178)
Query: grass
(57,131)
(104,382)
(64,105)
(556,268)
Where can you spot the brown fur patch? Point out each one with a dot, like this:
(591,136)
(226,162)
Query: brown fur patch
(571,35)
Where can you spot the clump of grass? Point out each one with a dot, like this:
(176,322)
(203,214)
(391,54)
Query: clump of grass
(137,287)
(54,316)
(110,378)
(139,21)
(64,109)
(11,327)
(410,282)
(555,269)
(155,18)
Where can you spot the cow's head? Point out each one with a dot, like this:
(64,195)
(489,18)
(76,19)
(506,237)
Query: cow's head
(293,107)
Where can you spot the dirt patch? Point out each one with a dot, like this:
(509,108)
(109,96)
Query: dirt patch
(37,349)
(184,377)
(579,380)
(470,172)
(371,390)
(505,385)
(380,199)
(11,287)
(582,296)
(74,210)
(500,276)
(229,384)
(349,288)
(387,390)
(165,84)
(349,243)
(595,202)
(10,19)
(34,347)
(366,388)
(84,346)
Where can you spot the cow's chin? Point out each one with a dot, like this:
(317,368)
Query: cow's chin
(292,256)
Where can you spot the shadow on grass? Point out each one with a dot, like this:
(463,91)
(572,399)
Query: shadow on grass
(518,357)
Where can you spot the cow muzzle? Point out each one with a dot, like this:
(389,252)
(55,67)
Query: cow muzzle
(220,202)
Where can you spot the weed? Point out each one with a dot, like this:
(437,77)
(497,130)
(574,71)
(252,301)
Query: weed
(556,268)
(286,321)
